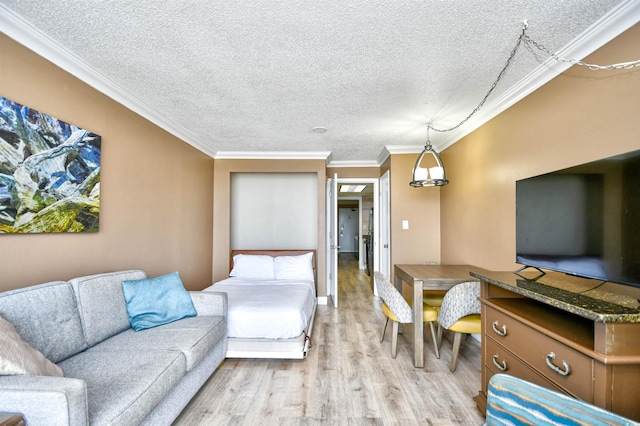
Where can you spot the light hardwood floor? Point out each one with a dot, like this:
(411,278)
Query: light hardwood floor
(348,378)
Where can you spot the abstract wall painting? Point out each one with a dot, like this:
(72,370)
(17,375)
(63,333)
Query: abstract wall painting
(49,173)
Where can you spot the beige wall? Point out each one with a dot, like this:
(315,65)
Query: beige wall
(156,191)
(421,207)
(578,117)
(222,213)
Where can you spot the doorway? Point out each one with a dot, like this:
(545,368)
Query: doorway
(355,228)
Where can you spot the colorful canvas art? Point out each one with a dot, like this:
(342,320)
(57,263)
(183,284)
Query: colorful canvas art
(49,173)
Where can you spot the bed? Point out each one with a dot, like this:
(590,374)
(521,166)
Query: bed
(271,303)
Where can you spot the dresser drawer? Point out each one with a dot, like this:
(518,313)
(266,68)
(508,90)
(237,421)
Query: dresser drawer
(559,363)
(500,360)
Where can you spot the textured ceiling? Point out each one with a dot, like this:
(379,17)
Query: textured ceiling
(253,75)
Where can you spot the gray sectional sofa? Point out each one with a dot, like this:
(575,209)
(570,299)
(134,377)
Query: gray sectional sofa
(113,375)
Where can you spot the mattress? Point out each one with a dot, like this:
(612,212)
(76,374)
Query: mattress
(267,309)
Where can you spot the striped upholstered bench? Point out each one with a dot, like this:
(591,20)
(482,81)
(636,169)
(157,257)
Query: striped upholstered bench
(513,401)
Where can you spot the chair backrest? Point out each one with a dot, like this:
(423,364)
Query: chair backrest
(461,300)
(511,400)
(393,298)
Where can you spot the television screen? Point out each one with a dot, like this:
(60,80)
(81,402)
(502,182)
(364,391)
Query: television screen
(584,220)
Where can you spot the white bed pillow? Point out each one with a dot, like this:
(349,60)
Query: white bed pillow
(294,267)
(258,266)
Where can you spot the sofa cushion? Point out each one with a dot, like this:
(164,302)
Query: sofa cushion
(124,386)
(156,301)
(101,303)
(17,357)
(46,317)
(194,337)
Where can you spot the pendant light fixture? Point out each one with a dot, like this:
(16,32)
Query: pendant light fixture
(435,176)
(432,176)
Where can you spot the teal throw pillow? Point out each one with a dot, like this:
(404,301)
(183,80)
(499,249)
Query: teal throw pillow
(155,301)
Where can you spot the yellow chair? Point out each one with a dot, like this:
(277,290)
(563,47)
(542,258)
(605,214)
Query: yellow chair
(399,311)
(433,298)
(460,313)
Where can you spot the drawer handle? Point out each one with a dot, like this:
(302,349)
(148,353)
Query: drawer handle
(555,368)
(502,332)
(500,366)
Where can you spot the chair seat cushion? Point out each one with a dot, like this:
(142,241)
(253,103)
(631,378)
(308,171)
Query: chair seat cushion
(470,324)
(433,298)
(428,313)
(387,312)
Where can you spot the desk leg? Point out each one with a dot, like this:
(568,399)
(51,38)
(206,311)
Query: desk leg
(418,325)
(398,282)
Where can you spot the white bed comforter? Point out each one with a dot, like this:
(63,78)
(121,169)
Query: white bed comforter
(271,309)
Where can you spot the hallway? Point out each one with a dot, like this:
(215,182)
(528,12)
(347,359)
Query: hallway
(349,377)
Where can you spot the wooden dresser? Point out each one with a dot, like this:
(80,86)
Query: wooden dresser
(575,335)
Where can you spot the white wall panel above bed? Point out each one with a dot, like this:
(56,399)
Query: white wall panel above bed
(274,210)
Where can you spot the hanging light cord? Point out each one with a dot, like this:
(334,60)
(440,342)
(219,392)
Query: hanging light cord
(493,86)
(529,41)
(427,146)
(593,67)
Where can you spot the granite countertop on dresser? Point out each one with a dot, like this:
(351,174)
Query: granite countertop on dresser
(592,299)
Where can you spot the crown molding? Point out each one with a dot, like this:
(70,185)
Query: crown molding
(397,149)
(20,30)
(618,20)
(404,149)
(364,163)
(272,155)
(382,157)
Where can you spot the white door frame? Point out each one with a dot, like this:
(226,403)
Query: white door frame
(376,221)
(385,234)
(332,240)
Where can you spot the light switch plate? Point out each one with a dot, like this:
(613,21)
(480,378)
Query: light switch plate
(405,224)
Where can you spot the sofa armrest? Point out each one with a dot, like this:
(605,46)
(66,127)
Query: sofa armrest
(209,302)
(44,400)
(511,400)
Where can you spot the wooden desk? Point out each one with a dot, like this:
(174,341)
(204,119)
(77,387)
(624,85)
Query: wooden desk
(429,277)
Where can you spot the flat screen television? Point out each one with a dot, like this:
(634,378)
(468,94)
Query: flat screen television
(583,221)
